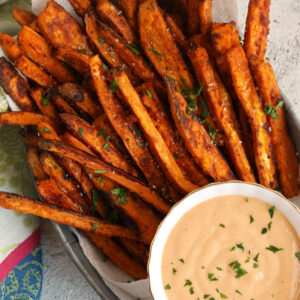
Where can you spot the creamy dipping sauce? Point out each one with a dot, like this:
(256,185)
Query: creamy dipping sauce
(232,247)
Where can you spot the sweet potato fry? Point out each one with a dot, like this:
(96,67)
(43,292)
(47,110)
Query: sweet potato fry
(42,99)
(156,142)
(61,30)
(112,16)
(246,92)
(62,105)
(283,145)
(23,16)
(257,29)
(176,31)
(205,16)
(102,147)
(81,98)
(24,119)
(47,131)
(145,220)
(158,43)
(70,139)
(34,164)
(37,48)
(9,46)
(50,192)
(78,60)
(129,133)
(35,26)
(163,123)
(193,19)
(32,71)
(15,85)
(118,256)
(130,8)
(195,137)
(223,113)
(63,216)
(59,175)
(81,6)
(115,174)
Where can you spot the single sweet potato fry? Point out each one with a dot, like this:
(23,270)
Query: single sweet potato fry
(163,123)
(155,140)
(10,46)
(283,145)
(47,131)
(58,174)
(81,98)
(223,112)
(205,17)
(112,16)
(130,7)
(63,216)
(15,85)
(246,92)
(81,6)
(193,18)
(176,31)
(63,106)
(195,137)
(23,17)
(130,134)
(34,72)
(33,160)
(102,147)
(70,139)
(35,26)
(100,167)
(38,49)
(61,30)
(42,99)
(257,29)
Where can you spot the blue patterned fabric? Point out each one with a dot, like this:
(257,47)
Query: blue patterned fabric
(24,282)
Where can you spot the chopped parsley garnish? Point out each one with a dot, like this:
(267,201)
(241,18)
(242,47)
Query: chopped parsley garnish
(222,225)
(137,132)
(191,290)
(236,266)
(223,296)
(220,269)
(106,146)
(198,89)
(246,199)
(95,225)
(251,219)
(238,292)
(156,52)
(135,48)
(95,199)
(264,230)
(297,254)
(274,249)
(232,248)
(174,271)
(240,246)
(122,194)
(149,94)
(203,267)
(103,133)
(192,106)
(111,54)
(271,111)
(100,171)
(105,67)
(176,155)
(181,260)
(167,287)
(212,277)
(247,260)
(45,98)
(256,257)
(101,41)
(206,296)
(187,282)
(113,86)
(212,132)
(255,265)
(46,130)
(269,225)
(140,144)
(80,130)
(271,211)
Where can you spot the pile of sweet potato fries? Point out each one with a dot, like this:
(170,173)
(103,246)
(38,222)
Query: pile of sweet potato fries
(146,102)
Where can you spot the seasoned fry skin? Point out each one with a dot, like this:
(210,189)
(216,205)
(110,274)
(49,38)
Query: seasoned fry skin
(112,16)
(246,92)
(130,8)
(223,113)
(195,137)
(15,85)
(257,29)
(10,46)
(89,135)
(63,216)
(176,31)
(163,123)
(34,72)
(205,17)
(62,105)
(23,16)
(193,20)
(34,163)
(284,149)
(155,140)
(81,6)
(61,30)
(115,174)
(37,48)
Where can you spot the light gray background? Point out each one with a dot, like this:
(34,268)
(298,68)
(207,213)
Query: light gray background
(62,280)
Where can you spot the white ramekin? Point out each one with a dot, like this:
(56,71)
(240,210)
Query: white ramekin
(194,198)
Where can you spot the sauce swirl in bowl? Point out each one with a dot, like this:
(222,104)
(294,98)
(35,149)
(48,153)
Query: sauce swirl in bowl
(222,242)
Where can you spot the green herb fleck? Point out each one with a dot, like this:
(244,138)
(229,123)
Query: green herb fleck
(238,292)
(203,267)
(46,130)
(222,225)
(174,271)
(167,287)
(212,132)
(106,146)
(256,257)
(105,67)
(100,171)
(95,199)
(191,290)
(140,144)
(271,111)
(137,132)
(274,249)
(237,269)
(101,41)
(80,130)
(212,277)
(45,98)
(149,94)
(199,89)
(206,296)
(122,194)
(232,248)
(269,225)
(297,254)
(113,86)
(220,269)
(95,225)
(187,282)
(271,211)
(240,246)
(181,260)
(264,230)
(255,265)
(156,52)
(246,199)
(247,260)
(135,48)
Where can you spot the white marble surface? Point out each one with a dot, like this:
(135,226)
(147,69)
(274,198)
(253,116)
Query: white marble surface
(62,280)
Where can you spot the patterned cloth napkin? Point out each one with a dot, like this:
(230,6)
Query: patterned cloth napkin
(20,249)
